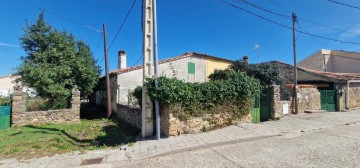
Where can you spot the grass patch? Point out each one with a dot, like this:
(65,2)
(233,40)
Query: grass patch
(49,139)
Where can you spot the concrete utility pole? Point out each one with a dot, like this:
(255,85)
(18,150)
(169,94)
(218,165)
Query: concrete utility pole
(147,109)
(295,65)
(157,106)
(108,95)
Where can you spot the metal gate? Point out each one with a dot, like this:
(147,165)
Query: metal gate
(255,112)
(261,109)
(5,113)
(328,100)
(265,102)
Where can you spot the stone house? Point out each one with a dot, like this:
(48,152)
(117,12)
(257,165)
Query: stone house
(340,89)
(333,61)
(190,67)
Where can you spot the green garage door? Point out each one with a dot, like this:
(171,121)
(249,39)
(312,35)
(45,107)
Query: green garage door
(328,100)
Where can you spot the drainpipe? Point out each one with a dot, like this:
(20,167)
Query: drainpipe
(347,95)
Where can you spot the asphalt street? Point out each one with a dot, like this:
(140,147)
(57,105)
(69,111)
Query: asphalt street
(330,147)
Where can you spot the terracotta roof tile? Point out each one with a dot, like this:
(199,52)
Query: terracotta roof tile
(338,76)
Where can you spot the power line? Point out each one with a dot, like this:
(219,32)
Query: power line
(98,44)
(55,14)
(330,61)
(261,8)
(315,39)
(252,13)
(137,61)
(288,17)
(343,4)
(275,4)
(127,15)
(330,27)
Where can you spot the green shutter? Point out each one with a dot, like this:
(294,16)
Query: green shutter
(191,68)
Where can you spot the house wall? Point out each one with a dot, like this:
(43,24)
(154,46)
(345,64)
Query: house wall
(177,68)
(333,61)
(215,64)
(344,62)
(315,61)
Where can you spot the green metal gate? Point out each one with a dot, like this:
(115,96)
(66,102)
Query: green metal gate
(5,113)
(265,102)
(328,100)
(255,112)
(261,110)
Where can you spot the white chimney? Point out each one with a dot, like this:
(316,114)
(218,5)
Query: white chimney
(121,59)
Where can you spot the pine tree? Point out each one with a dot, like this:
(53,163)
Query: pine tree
(55,62)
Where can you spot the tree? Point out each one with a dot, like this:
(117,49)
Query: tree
(55,62)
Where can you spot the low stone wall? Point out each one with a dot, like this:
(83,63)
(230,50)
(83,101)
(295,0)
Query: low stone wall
(279,107)
(308,98)
(21,117)
(171,126)
(132,115)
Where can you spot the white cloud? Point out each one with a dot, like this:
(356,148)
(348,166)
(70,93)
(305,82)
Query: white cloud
(353,32)
(9,45)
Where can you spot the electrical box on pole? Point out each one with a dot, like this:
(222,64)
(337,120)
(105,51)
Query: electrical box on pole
(147,128)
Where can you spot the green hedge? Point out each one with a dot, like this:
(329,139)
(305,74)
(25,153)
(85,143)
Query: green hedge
(196,99)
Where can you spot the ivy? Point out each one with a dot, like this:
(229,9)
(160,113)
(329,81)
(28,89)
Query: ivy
(266,73)
(197,99)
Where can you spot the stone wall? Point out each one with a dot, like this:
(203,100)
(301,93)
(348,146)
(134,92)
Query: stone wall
(21,117)
(132,115)
(277,104)
(354,98)
(354,95)
(308,98)
(170,125)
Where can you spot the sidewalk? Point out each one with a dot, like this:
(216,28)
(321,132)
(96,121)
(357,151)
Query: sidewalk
(150,148)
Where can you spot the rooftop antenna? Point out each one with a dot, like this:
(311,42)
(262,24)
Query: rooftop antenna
(257,48)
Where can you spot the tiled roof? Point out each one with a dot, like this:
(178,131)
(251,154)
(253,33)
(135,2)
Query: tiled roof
(329,75)
(186,55)
(333,75)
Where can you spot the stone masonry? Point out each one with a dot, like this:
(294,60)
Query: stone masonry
(21,117)
(170,125)
(132,115)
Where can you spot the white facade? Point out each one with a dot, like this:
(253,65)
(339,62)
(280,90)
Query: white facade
(7,84)
(333,61)
(127,82)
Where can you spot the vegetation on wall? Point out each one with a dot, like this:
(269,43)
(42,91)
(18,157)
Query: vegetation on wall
(197,99)
(266,73)
(55,62)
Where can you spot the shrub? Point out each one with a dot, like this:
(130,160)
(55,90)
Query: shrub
(197,99)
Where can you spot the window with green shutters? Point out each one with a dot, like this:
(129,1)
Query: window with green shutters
(191,68)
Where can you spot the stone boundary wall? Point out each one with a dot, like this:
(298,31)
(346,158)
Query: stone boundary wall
(308,98)
(21,117)
(132,115)
(170,125)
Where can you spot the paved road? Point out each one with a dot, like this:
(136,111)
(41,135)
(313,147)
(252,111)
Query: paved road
(337,146)
(306,140)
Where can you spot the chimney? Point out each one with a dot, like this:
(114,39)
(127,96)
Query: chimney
(121,59)
(246,59)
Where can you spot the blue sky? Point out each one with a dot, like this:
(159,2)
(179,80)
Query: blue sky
(205,26)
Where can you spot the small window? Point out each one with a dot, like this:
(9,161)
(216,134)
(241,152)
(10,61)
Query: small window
(191,68)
